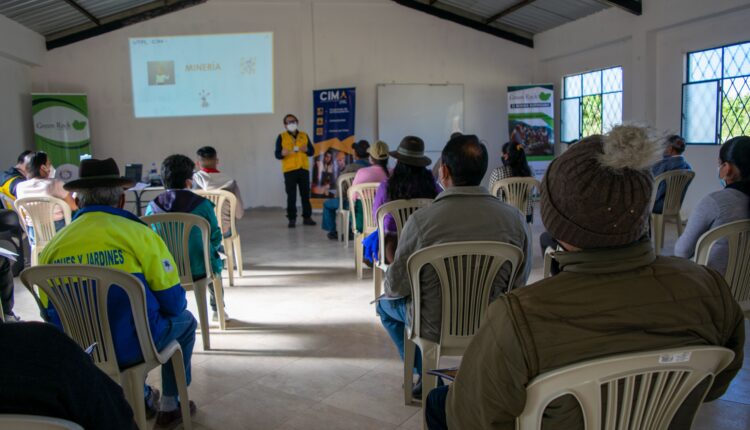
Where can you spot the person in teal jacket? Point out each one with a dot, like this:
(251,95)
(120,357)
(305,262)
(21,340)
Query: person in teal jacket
(177,175)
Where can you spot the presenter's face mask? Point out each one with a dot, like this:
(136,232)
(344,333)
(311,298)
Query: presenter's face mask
(292,127)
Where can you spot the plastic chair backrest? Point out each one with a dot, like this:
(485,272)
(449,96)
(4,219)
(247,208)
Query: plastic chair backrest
(36,422)
(174,229)
(366,192)
(676,181)
(343,182)
(643,390)
(79,295)
(466,271)
(737,234)
(220,198)
(516,191)
(41,211)
(400,210)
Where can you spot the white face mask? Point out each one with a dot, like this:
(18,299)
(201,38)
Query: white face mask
(291,127)
(52,172)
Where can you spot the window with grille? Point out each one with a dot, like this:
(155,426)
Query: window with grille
(591,103)
(716,94)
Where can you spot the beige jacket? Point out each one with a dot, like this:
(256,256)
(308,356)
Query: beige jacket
(604,302)
(457,214)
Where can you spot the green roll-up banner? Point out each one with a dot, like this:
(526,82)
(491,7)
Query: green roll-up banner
(61,129)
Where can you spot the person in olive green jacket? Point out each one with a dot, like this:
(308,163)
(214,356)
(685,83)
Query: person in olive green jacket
(613,296)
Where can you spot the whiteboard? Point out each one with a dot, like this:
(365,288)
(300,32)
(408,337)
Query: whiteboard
(429,111)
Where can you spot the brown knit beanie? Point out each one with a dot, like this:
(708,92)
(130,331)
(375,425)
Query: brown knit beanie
(598,193)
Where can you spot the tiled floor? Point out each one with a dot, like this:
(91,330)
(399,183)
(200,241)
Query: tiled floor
(306,351)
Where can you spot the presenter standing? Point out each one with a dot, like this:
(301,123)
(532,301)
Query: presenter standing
(293,148)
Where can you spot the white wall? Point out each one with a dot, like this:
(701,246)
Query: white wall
(651,48)
(318,44)
(20,48)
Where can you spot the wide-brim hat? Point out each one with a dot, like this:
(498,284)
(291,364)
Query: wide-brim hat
(98,173)
(411,151)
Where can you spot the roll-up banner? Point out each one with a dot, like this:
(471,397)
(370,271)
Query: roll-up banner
(531,116)
(61,129)
(334,113)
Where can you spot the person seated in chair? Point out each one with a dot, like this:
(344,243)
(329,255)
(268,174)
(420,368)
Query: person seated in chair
(614,295)
(465,211)
(672,160)
(104,234)
(177,174)
(210,178)
(330,206)
(40,182)
(10,178)
(66,383)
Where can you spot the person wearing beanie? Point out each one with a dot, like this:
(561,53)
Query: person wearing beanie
(330,206)
(731,203)
(613,296)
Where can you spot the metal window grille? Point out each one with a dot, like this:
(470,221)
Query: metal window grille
(716,94)
(591,103)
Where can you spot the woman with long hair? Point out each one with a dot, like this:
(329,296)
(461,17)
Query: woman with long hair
(731,203)
(514,165)
(377,172)
(410,179)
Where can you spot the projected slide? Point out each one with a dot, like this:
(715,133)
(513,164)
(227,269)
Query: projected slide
(221,74)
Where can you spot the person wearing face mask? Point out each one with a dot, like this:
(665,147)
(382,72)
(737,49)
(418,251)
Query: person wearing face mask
(294,149)
(40,182)
(731,203)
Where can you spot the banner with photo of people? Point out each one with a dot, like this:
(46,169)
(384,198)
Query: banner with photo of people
(333,136)
(531,122)
(61,129)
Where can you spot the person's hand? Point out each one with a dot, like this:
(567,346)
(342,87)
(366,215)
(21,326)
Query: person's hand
(285,152)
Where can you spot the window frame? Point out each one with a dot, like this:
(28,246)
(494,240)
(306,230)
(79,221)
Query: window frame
(719,89)
(601,93)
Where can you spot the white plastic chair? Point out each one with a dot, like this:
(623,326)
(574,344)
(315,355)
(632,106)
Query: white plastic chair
(737,233)
(41,211)
(343,182)
(644,389)
(36,422)
(365,193)
(467,271)
(232,244)
(516,191)
(79,295)
(549,256)
(400,210)
(174,229)
(676,181)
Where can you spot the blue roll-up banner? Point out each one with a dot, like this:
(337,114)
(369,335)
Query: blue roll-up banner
(333,110)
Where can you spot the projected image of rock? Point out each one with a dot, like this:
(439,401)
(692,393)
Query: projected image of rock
(161,72)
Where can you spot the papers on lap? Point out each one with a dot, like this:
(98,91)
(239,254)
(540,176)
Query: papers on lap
(448,374)
(384,297)
(10,255)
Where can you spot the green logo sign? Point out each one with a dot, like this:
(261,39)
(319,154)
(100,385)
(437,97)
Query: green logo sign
(544,96)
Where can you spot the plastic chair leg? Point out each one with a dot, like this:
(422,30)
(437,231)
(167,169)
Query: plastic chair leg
(358,253)
(200,298)
(346,229)
(430,359)
(409,352)
(133,389)
(377,280)
(237,247)
(179,372)
(340,225)
(658,231)
(230,260)
(219,294)
(680,228)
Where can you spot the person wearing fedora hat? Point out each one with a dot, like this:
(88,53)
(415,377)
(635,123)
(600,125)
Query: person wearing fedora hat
(104,234)
(465,211)
(614,296)
(410,179)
